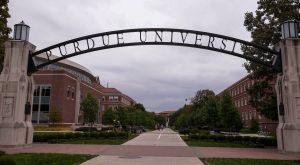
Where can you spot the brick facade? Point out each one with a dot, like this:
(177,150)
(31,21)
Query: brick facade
(69,84)
(247,112)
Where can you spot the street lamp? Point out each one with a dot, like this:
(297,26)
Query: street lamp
(21,31)
(289,29)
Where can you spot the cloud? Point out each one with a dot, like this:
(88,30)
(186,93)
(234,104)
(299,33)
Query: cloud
(160,77)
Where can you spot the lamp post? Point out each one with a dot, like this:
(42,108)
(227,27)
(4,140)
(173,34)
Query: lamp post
(289,29)
(21,31)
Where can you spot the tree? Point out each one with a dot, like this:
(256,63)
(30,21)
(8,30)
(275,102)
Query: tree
(231,120)
(160,120)
(254,127)
(121,114)
(264,26)
(55,115)
(90,107)
(201,97)
(139,106)
(4,30)
(212,111)
(109,116)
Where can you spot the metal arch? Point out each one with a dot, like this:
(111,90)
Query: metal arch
(271,58)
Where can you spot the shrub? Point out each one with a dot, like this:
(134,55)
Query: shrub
(259,141)
(60,137)
(86,129)
(184,131)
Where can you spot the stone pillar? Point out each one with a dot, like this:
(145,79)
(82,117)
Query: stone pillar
(16,89)
(288,97)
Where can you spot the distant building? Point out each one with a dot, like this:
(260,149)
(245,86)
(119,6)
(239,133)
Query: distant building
(63,85)
(167,115)
(247,112)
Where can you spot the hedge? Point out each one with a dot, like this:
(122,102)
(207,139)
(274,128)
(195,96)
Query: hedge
(56,137)
(86,129)
(265,141)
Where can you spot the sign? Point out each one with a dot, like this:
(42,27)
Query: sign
(158,36)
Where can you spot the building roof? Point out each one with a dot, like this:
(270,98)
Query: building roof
(110,90)
(167,112)
(66,62)
(234,84)
(96,81)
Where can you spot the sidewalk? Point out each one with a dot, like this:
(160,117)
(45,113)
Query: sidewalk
(171,151)
(151,148)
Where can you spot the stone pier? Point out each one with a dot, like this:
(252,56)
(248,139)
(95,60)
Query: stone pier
(288,97)
(16,89)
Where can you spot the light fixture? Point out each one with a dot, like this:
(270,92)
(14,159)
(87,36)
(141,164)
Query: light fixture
(21,31)
(289,29)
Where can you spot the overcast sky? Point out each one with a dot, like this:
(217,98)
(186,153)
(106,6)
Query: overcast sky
(160,77)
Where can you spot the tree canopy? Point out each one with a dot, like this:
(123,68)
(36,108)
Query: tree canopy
(208,111)
(4,29)
(55,115)
(132,115)
(89,107)
(264,26)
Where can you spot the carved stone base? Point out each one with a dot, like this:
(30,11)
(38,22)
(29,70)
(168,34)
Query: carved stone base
(288,137)
(16,134)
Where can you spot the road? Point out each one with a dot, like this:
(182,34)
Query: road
(164,138)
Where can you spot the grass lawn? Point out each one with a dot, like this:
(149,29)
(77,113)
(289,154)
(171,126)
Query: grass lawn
(209,143)
(49,159)
(213,161)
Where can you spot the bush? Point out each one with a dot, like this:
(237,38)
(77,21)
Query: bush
(260,141)
(86,129)
(7,161)
(184,131)
(61,137)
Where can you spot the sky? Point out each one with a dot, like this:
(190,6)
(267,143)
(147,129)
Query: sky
(160,77)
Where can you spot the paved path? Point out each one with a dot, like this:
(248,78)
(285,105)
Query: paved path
(137,151)
(159,151)
(166,137)
(133,150)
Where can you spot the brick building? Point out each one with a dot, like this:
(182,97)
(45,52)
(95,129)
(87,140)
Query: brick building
(63,85)
(247,112)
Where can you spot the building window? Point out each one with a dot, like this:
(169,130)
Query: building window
(103,98)
(81,97)
(113,98)
(41,104)
(116,98)
(68,92)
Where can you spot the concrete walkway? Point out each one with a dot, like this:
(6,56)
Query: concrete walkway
(165,137)
(154,145)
